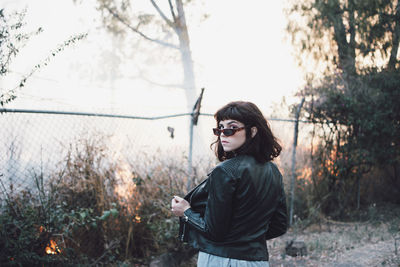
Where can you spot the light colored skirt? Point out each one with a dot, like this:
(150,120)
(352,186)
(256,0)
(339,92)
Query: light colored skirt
(209,260)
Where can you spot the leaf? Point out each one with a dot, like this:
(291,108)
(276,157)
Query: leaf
(114,212)
(105,215)
(83,214)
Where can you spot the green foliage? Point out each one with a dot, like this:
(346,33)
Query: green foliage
(94,213)
(353,107)
(358,120)
(26,231)
(30,220)
(364,111)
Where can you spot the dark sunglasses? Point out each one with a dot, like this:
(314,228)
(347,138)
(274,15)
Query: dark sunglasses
(227,132)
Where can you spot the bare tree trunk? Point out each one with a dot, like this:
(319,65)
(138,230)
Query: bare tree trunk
(351,47)
(293,180)
(345,51)
(178,24)
(186,56)
(395,39)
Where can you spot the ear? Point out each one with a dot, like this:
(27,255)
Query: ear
(253,131)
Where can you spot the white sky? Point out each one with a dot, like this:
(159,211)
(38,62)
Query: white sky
(239,54)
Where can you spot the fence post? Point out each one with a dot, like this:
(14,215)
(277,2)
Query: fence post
(195,117)
(293,180)
(190,154)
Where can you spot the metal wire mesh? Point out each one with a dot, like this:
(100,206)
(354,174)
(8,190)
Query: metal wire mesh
(37,142)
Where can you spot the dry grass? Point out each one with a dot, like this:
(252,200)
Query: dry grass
(94,178)
(370,243)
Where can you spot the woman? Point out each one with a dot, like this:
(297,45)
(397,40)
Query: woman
(241,204)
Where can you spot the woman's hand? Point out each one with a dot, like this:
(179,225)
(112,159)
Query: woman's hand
(179,205)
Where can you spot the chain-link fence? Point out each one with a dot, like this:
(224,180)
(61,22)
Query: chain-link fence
(37,142)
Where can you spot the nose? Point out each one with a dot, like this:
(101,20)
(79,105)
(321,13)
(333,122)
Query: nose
(222,134)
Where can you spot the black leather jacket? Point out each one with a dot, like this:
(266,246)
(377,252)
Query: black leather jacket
(236,209)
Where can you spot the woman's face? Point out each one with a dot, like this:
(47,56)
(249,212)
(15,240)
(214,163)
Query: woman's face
(233,142)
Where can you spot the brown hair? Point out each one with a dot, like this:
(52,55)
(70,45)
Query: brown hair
(263,146)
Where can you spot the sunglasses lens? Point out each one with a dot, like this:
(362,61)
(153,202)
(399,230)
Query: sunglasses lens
(228,132)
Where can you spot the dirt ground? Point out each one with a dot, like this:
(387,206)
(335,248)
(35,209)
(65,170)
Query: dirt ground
(370,242)
(341,245)
(338,244)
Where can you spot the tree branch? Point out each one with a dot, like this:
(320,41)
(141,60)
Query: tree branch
(139,32)
(346,62)
(352,31)
(10,94)
(171,7)
(395,39)
(167,20)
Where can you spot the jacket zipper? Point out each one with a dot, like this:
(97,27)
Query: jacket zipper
(183,232)
(184,223)
(190,202)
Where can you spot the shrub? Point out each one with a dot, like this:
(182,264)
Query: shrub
(28,232)
(98,207)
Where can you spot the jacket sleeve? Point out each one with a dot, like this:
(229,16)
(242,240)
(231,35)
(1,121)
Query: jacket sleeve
(217,216)
(278,224)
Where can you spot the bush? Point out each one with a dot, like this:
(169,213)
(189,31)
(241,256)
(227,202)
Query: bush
(357,121)
(99,209)
(28,227)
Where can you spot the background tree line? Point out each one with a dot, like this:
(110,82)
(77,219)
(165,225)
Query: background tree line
(349,49)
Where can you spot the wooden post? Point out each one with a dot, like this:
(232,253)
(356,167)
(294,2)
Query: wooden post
(193,122)
(293,180)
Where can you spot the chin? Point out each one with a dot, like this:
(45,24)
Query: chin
(228,149)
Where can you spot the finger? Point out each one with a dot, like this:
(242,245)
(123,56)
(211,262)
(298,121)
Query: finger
(178,198)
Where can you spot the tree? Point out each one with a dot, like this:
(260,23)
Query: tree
(118,17)
(354,45)
(167,22)
(349,35)
(12,39)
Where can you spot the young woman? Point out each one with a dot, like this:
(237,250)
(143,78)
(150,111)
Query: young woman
(231,214)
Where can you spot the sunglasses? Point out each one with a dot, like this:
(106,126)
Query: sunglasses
(227,132)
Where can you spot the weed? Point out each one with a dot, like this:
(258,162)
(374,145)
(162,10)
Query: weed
(99,208)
